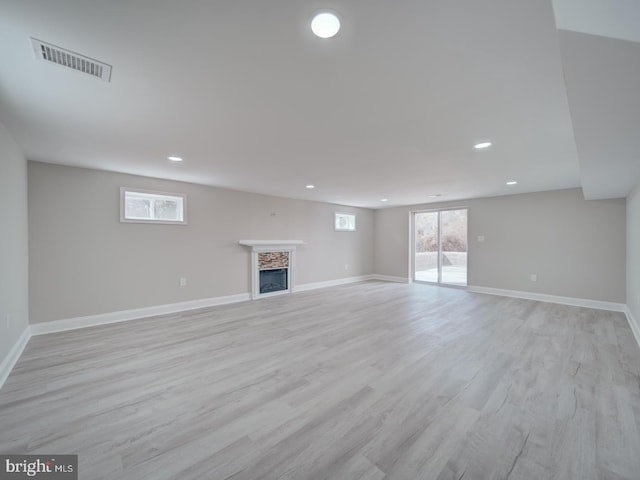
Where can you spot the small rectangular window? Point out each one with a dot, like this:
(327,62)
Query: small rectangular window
(143,206)
(345,222)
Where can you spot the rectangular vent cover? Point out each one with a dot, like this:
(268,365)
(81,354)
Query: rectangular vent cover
(65,58)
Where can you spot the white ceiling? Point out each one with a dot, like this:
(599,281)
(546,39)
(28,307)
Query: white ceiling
(390,107)
(603,75)
(607,18)
(599,44)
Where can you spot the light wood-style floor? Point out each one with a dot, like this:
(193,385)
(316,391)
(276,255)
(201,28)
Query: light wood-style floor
(366,381)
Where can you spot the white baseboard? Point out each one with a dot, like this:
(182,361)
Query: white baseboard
(389,278)
(332,283)
(125,315)
(14,355)
(576,302)
(633,323)
(113,317)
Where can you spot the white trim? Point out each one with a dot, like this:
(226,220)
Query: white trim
(158,195)
(333,283)
(337,215)
(255,270)
(576,302)
(633,323)
(267,246)
(389,278)
(126,315)
(345,281)
(14,355)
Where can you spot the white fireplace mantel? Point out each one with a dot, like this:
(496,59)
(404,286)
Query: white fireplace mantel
(266,245)
(259,246)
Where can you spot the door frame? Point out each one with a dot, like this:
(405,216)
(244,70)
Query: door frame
(412,246)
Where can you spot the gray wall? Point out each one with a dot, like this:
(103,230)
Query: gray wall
(14,261)
(633,253)
(576,247)
(83,261)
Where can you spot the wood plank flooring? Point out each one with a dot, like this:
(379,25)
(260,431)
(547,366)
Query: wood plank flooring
(365,381)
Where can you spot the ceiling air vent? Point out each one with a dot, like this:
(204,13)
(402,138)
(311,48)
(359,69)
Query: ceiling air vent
(79,63)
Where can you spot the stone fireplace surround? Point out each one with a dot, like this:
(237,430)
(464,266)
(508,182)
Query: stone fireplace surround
(271,254)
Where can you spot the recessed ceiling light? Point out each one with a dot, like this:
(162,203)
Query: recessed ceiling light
(310,186)
(480,146)
(384,199)
(325,24)
(173,158)
(512,182)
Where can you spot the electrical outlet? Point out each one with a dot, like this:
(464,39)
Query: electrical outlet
(183,281)
(534,277)
(346,266)
(480,238)
(8,318)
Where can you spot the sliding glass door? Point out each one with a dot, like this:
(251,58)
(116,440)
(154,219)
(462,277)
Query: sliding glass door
(440,246)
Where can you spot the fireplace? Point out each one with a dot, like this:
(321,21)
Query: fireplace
(272,266)
(273,280)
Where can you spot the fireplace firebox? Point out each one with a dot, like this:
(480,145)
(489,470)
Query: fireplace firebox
(274,280)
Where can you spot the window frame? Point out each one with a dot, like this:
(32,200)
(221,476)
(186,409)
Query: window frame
(337,215)
(158,195)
